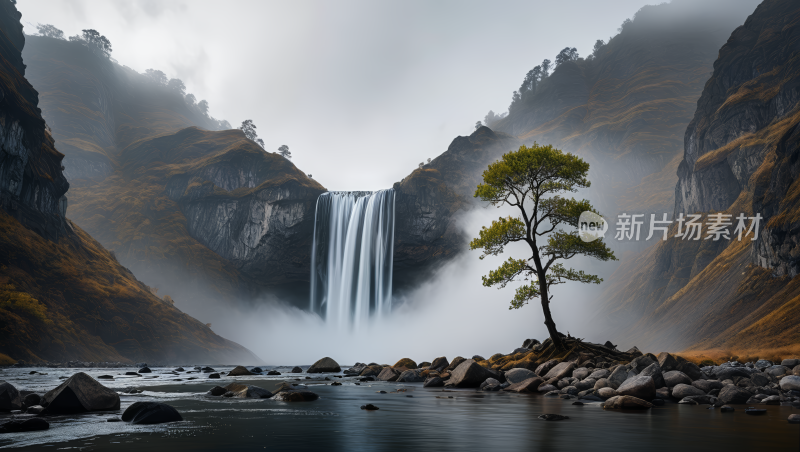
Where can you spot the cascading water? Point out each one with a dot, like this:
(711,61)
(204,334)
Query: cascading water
(351,259)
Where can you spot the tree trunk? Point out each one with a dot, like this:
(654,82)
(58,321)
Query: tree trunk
(548,318)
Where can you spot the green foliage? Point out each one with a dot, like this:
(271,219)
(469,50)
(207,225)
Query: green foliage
(22,303)
(533,179)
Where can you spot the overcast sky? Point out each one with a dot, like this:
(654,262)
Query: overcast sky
(361,91)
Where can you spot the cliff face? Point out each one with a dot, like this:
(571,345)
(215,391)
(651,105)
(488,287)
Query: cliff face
(62,295)
(32,186)
(741,152)
(429,202)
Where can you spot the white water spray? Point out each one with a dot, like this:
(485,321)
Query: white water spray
(351,259)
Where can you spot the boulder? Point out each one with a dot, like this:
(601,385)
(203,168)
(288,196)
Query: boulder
(239,371)
(606,393)
(777,371)
(654,371)
(641,363)
(691,370)
(796,370)
(433,382)
(275,372)
(547,388)
(530,343)
(410,376)
(683,390)
(468,375)
(519,375)
(369,372)
(707,385)
(456,362)
(151,413)
(10,398)
(31,400)
(727,373)
(424,365)
(560,370)
(217,391)
(323,366)
(600,373)
(490,382)
(581,373)
(214,375)
(297,370)
(408,363)
(699,400)
(34,409)
(762,364)
(667,362)
(478,358)
(663,393)
(733,394)
(530,385)
(617,377)
(641,387)
(388,374)
(675,377)
(78,394)
(790,382)
(145,370)
(790,362)
(601,383)
(439,364)
(760,379)
(28,425)
(295,396)
(794,418)
(241,391)
(545,367)
(626,402)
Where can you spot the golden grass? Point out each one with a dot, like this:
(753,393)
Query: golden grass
(6,360)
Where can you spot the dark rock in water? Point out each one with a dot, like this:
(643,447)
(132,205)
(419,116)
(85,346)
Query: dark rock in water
(727,373)
(423,365)
(641,387)
(31,400)
(229,394)
(439,364)
(388,374)
(80,393)
(179,369)
(217,391)
(336,383)
(478,358)
(324,365)
(133,374)
(794,418)
(433,382)
(579,403)
(755,411)
(707,385)
(691,370)
(10,398)
(654,370)
(247,391)
(626,402)
(146,413)
(105,377)
(113,419)
(456,362)
(297,370)
(273,372)
(214,375)
(256,370)
(519,375)
(554,417)
(29,425)
(369,378)
(410,376)
(641,363)
(295,396)
(657,402)
(527,386)
(145,370)
(468,374)
(34,409)
(733,394)
(675,377)
(239,371)
(683,390)
(667,362)
(369,407)
(726,409)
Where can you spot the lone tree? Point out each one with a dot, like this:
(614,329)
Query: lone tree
(284,151)
(50,31)
(96,42)
(531,179)
(249,130)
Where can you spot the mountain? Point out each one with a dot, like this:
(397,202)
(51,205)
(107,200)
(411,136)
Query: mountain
(740,156)
(62,295)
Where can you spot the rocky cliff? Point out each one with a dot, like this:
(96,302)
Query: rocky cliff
(740,156)
(62,295)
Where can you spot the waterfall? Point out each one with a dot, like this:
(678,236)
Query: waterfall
(351,259)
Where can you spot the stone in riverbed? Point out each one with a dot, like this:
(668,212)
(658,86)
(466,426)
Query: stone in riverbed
(691,370)
(388,374)
(297,370)
(707,385)
(641,387)
(560,370)
(790,382)
(663,393)
(456,362)
(606,393)
(667,362)
(147,413)
(794,418)
(217,391)
(626,402)
(796,370)
(519,375)
(439,364)
(675,377)
(553,417)
(601,383)
(790,362)
(726,373)
(369,407)
(10,398)
(617,377)
(28,425)
(581,373)
(683,390)
(408,363)
(654,370)
(324,365)
(78,394)
(600,373)
(214,375)
(545,367)
(433,382)
(275,372)
(241,391)
(726,409)
(34,409)
(641,363)
(733,394)
(410,376)
(547,388)
(530,385)
(295,396)
(239,371)
(31,400)
(468,375)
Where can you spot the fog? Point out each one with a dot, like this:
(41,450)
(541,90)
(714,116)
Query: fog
(354,88)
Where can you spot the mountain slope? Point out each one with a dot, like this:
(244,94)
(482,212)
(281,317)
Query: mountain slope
(62,295)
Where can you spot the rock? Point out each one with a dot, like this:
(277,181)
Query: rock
(772,400)
(634,351)
(388,374)
(10,398)
(547,388)
(553,417)
(105,377)
(132,374)
(663,393)
(667,362)
(570,390)
(617,377)
(256,370)
(369,407)
(606,393)
(439,364)
(297,370)
(147,413)
(28,425)
(456,362)
(726,409)
(411,376)
(179,369)
(424,365)
(217,391)
(214,375)
(762,364)
(239,371)
(34,409)
(324,365)
(683,390)
(526,386)
(600,373)
(790,362)
(530,343)
(433,382)
(654,371)
(408,363)
(675,377)
(641,363)
(241,391)
(31,400)
(601,383)
(545,367)
(641,387)
(581,373)
(609,345)
(585,384)
(626,402)
(273,372)
(491,383)
(144,370)
(794,418)
(80,393)
(691,370)
(796,371)
(727,373)
(560,370)
(732,395)
(707,385)
(468,375)
(113,419)
(519,375)
(777,371)
(790,382)
(295,396)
